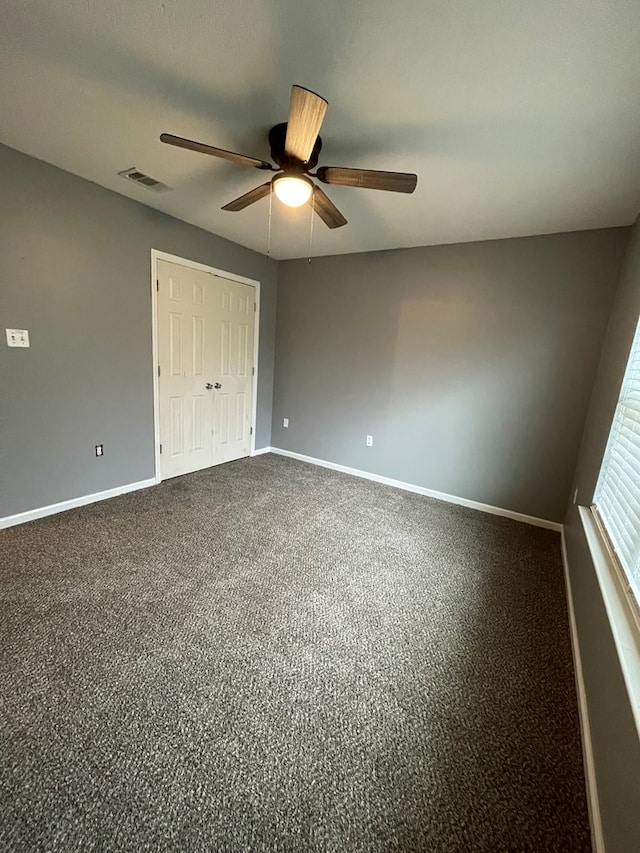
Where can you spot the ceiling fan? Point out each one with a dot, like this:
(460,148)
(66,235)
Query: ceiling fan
(295,146)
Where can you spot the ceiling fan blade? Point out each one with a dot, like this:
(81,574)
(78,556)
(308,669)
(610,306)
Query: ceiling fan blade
(395,182)
(326,209)
(201,148)
(248,198)
(306,114)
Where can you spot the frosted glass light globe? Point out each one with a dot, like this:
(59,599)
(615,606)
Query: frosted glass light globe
(292,190)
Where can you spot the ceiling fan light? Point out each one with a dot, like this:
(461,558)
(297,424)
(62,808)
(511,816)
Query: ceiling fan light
(292,190)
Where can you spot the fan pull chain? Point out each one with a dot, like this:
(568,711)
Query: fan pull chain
(313,197)
(269,227)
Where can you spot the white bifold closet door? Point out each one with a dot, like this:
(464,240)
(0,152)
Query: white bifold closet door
(205,355)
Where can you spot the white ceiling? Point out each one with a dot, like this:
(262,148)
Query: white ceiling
(519,118)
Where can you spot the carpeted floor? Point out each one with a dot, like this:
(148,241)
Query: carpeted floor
(269,656)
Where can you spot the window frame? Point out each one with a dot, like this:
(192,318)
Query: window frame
(620,606)
(616,568)
(626,575)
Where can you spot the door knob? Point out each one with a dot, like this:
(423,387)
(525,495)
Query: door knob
(208,386)
(217,385)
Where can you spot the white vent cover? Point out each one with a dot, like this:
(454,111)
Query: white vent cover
(138,177)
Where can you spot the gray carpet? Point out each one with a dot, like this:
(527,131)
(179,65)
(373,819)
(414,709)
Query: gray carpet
(269,656)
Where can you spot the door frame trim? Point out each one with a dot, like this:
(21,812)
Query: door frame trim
(157,255)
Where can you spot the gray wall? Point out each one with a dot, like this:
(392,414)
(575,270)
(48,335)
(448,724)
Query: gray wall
(614,736)
(75,271)
(472,365)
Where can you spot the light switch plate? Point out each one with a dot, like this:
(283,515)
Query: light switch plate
(17,337)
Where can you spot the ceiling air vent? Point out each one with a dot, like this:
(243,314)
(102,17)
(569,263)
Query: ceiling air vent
(147,181)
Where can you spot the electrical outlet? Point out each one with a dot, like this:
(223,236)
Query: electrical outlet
(99,450)
(369,441)
(285,422)
(575,497)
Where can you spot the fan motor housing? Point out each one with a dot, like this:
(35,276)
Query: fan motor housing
(277,137)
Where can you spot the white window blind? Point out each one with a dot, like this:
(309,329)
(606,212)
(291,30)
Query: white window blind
(617,496)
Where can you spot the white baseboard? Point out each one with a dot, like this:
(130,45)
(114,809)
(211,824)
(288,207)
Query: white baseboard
(52,509)
(597,838)
(41,512)
(420,490)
